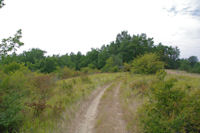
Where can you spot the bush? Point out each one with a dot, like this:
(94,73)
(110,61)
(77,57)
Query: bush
(147,64)
(10,112)
(170,110)
(13,87)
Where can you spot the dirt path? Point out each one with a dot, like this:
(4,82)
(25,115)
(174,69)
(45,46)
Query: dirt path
(110,117)
(85,117)
(87,124)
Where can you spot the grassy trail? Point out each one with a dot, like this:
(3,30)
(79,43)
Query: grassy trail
(101,113)
(109,118)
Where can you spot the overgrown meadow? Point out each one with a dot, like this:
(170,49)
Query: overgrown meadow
(35,102)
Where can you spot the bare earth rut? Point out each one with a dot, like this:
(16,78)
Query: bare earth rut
(85,117)
(88,124)
(110,116)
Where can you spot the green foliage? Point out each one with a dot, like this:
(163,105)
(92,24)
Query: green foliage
(147,64)
(123,50)
(48,65)
(12,89)
(126,67)
(190,65)
(184,65)
(196,68)
(168,55)
(170,109)
(110,66)
(161,74)
(10,112)
(193,60)
(11,44)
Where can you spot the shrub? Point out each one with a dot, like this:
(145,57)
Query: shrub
(10,112)
(147,64)
(13,87)
(170,110)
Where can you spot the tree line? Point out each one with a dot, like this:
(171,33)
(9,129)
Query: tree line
(110,57)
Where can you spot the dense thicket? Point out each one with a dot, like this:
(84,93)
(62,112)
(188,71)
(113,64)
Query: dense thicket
(109,57)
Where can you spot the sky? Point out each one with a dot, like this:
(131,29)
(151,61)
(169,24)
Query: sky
(65,26)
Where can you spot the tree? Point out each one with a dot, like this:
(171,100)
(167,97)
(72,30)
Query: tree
(168,54)
(11,44)
(32,56)
(48,65)
(193,60)
(92,57)
(123,36)
(110,66)
(103,56)
(184,65)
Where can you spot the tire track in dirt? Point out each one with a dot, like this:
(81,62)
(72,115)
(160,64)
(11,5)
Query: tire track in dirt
(87,123)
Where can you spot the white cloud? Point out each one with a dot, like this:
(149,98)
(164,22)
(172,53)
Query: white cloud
(64,25)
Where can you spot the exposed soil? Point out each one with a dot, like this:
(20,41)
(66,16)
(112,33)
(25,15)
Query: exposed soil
(85,117)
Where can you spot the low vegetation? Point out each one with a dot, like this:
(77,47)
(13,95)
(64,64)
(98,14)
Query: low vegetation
(147,64)
(34,102)
(159,103)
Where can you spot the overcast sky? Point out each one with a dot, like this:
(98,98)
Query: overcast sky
(64,26)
